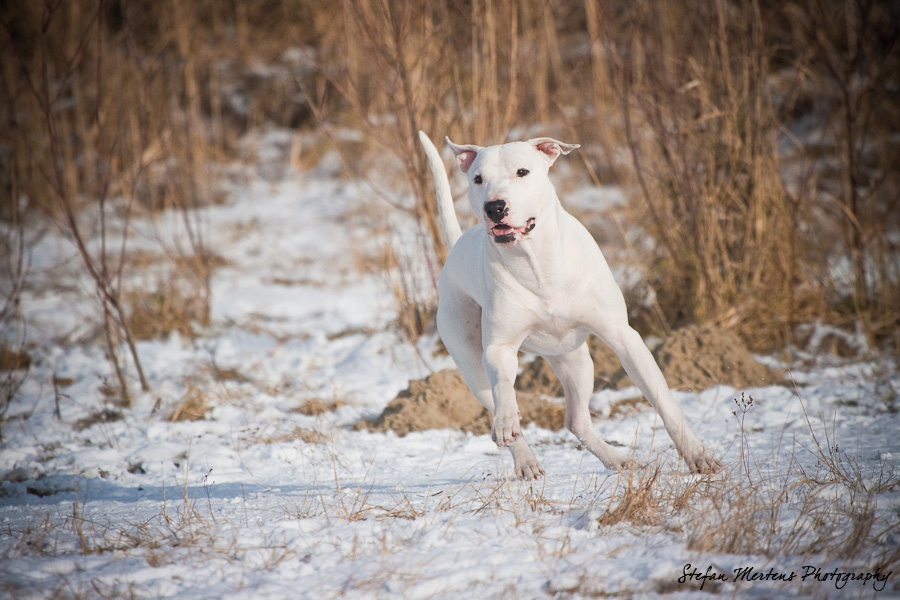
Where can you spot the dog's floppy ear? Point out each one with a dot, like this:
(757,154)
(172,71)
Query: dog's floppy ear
(464,154)
(552,148)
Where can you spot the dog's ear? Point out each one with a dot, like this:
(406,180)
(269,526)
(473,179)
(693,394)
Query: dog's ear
(464,154)
(552,148)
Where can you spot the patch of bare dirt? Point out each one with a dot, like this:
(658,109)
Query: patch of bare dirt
(442,400)
(697,358)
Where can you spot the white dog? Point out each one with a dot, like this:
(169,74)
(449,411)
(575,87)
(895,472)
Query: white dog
(529,276)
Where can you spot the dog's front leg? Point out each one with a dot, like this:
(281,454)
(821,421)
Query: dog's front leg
(501,364)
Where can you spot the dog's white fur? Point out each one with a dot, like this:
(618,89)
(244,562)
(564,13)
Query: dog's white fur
(529,276)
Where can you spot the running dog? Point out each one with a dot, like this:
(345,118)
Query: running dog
(529,276)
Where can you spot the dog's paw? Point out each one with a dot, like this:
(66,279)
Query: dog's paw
(619,462)
(630,464)
(506,429)
(702,461)
(529,470)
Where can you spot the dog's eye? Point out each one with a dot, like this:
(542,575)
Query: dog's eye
(522,172)
(477,179)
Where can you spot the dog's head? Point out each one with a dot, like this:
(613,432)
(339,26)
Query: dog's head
(509,190)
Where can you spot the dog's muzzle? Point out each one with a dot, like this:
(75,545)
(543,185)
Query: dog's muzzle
(504,234)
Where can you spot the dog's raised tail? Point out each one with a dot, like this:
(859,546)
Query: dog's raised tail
(446,211)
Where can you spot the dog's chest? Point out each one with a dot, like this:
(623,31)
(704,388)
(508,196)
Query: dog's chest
(554,331)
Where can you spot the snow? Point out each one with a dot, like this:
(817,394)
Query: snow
(259,500)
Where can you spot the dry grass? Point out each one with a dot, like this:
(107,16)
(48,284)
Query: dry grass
(785,515)
(755,140)
(724,203)
(193,406)
(416,307)
(788,516)
(14,366)
(98,131)
(694,108)
(315,407)
(303,434)
(175,304)
(830,512)
(637,499)
(107,415)
(13,360)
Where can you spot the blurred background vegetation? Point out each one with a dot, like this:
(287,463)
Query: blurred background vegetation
(757,143)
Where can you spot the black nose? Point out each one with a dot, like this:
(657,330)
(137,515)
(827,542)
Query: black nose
(496,210)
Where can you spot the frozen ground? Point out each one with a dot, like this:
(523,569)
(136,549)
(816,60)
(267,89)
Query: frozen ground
(260,500)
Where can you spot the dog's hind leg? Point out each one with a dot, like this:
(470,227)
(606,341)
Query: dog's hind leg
(460,328)
(576,373)
(641,367)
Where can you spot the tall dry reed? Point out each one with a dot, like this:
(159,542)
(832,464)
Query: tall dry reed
(98,127)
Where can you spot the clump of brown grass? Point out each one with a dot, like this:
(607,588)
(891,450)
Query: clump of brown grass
(192,406)
(315,407)
(107,415)
(14,366)
(13,360)
(646,497)
(174,305)
(637,504)
(304,434)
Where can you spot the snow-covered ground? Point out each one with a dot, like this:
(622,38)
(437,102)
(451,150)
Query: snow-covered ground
(259,500)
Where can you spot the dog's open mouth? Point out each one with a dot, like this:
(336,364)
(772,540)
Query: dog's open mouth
(506,235)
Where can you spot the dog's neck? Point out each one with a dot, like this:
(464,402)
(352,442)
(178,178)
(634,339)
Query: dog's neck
(537,261)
